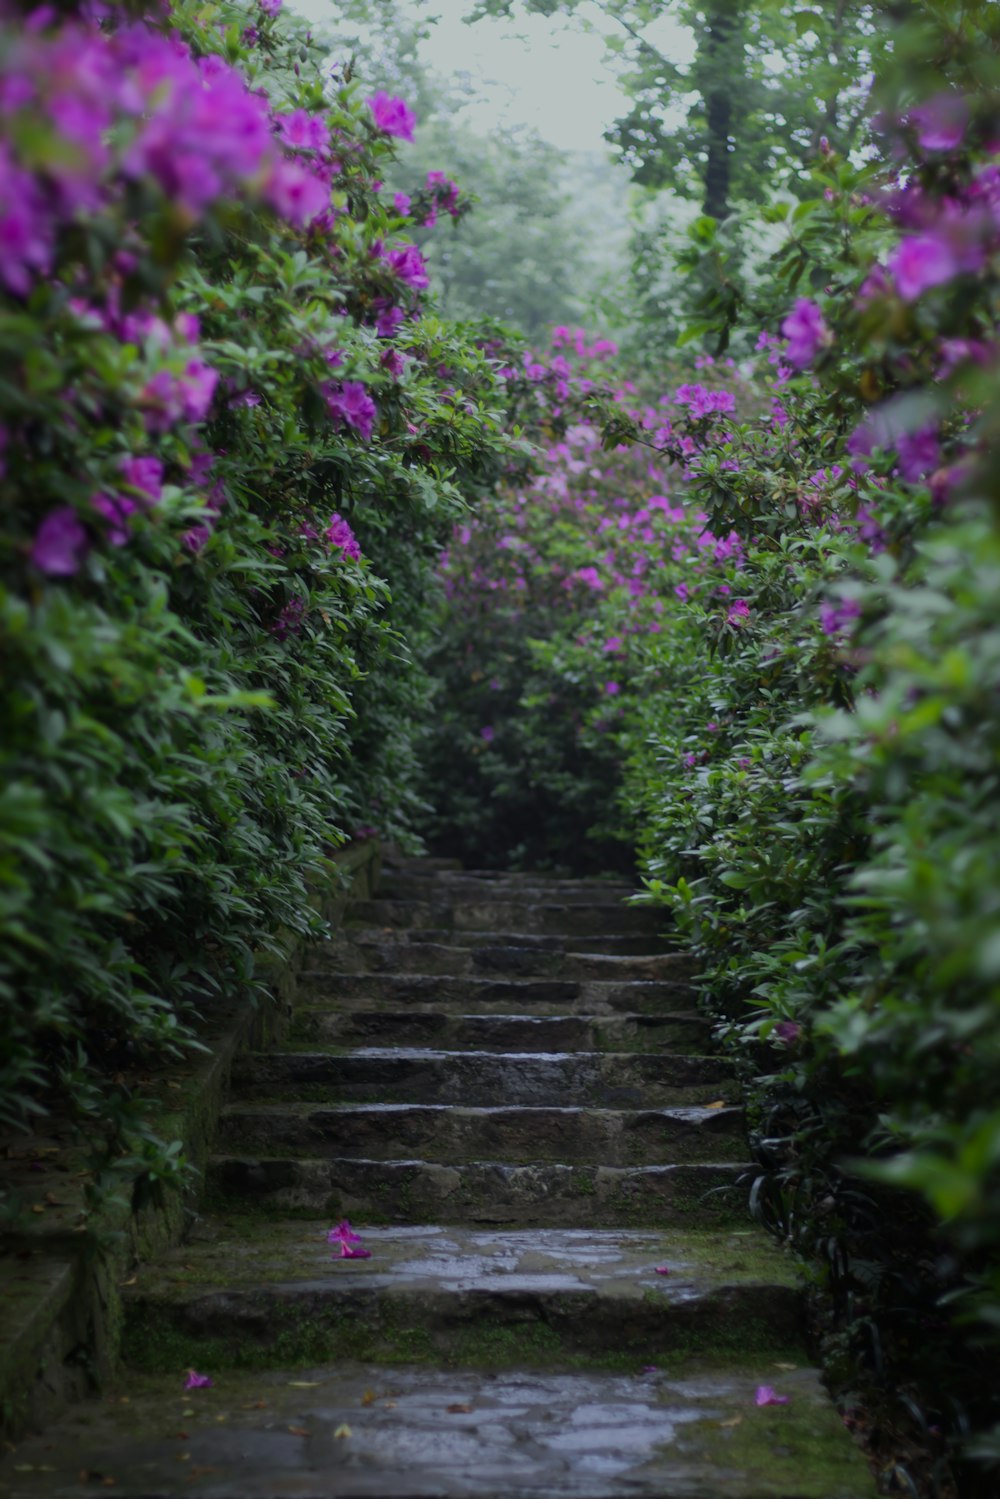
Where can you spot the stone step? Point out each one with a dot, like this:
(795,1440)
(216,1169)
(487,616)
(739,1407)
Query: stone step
(319,1028)
(444,1133)
(396,1432)
(486,995)
(542,1195)
(375,952)
(484,1079)
(469,888)
(248,1294)
(546,917)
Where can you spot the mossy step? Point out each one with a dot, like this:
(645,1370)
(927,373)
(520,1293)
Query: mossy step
(269,1296)
(544,917)
(540,1195)
(473,1078)
(556,996)
(365,951)
(502,1032)
(366,1431)
(613,945)
(469,888)
(442,1132)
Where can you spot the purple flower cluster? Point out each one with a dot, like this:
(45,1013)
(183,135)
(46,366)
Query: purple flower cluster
(350,405)
(133,104)
(806,332)
(339,534)
(392,116)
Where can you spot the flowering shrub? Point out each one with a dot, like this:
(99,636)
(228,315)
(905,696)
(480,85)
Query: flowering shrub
(800,719)
(230,457)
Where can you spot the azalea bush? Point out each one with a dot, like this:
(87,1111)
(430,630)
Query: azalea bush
(801,734)
(234,438)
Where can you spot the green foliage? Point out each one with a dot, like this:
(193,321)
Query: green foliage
(216,688)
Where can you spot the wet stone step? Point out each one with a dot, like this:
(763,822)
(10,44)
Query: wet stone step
(466,888)
(611,945)
(534,1435)
(541,1195)
(443,1133)
(376,952)
(548,918)
(399,1075)
(558,996)
(250,1295)
(498,1032)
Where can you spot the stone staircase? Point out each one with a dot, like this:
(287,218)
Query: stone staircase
(506,1088)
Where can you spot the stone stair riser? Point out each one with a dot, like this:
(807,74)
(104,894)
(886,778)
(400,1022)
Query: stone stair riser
(466,995)
(501,1032)
(537,1196)
(280,1325)
(379,952)
(552,919)
(442,1134)
(457,888)
(611,1081)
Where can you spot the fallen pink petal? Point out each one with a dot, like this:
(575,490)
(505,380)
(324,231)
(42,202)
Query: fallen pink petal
(196,1381)
(662,1270)
(768,1396)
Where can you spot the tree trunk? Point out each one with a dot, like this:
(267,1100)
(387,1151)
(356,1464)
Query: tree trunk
(721,66)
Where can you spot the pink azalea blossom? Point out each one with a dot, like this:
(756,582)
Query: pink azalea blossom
(787,1031)
(766,1396)
(738,613)
(392,116)
(923,261)
(351,404)
(941,122)
(806,332)
(339,534)
(60,544)
(349,1241)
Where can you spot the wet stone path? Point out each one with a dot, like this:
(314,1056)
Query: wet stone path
(503,1084)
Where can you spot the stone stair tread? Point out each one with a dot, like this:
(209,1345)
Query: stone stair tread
(599,945)
(425,1023)
(293,1108)
(617,1263)
(440,1434)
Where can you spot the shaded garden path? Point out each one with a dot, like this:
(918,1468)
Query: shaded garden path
(551,1286)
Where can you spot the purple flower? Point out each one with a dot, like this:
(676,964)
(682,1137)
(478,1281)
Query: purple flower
(739,611)
(339,534)
(613,645)
(295,193)
(919,454)
(941,121)
(116,510)
(806,333)
(303,131)
(923,261)
(350,403)
(196,1381)
(488,733)
(60,544)
(270,7)
(349,1241)
(787,1031)
(766,1396)
(145,475)
(408,264)
(392,116)
(836,617)
(25,227)
(612,689)
(401,202)
(388,321)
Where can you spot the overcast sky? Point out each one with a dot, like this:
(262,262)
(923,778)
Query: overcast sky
(538,71)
